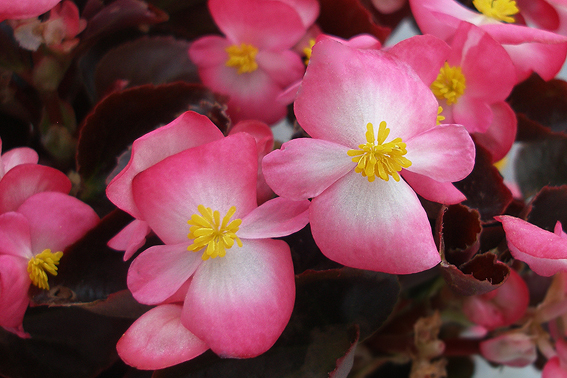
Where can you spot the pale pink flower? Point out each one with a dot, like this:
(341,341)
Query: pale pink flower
(254,62)
(511,349)
(32,240)
(16,10)
(545,252)
(371,119)
(500,307)
(531,50)
(236,284)
(186,131)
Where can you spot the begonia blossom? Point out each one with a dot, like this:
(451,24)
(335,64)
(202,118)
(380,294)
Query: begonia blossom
(531,50)
(556,367)
(500,307)
(511,349)
(254,62)
(236,285)
(16,10)
(545,252)
(32,240)
(188,130)
(371,119)
(21,177)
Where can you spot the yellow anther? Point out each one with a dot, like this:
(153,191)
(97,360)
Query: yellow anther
(376,158)
(242,57)
(501,10)
(439,116)
(208,231)
(39,264)
(450,84)
(308,50)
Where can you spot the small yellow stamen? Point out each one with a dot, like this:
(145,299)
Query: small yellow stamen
(376,158)
(439,116)
(308,50)
(501,10)
(450,84)
(242,57)
(39,264)
(207,230)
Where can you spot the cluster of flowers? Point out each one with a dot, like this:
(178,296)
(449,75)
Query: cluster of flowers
(386,124)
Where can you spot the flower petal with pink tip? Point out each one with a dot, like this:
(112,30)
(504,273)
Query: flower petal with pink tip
(130,238)
(25,180)
(240,304)
(512,349)
(186,131)
(17,10)
(500,136)
(228,179)
(304,167)
(14,285)
(545,252)
(158,340)
(15,235)
(308,10)
(373,88)
(441,192)
(444,153)
(18,156)
(158,272)
(378,225)
(56,220)
(275,218)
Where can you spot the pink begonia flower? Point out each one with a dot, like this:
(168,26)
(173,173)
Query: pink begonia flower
(545,252)
(32,239)
(500,307)
(253,64)
(21,177)
(16,10)
(531,50)
(186,131)
(237,284)
(369,116)
(556,367)
(511,349)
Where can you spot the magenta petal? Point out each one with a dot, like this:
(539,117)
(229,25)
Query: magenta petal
(14,285)
(217,175)
(275,218)
(554,369)
(131,238)
(345,88)
(378,226)
(186,131)
(500,136)
(158,272)
(158,340)
(15,236)
(304,167)
(25,180)
(283,67)
(444,153)
(424,53)
(544,251)
(474,114)
(209,51)
(56,220)
(16,10)
(18,156)
(240,304)
(441,192)
(308,10)
(267,25)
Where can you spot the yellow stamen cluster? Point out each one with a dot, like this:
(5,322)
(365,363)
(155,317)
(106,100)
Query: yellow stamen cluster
(501,10)
(308,50)
(39,264)
(208,230)
(242,57)
(439,116)
(450,84)
(376,158)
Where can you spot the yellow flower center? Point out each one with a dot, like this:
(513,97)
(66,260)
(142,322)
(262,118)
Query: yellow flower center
(376,158)
(501,10)
(242,57)
(39,264)
(450,84)
(308,50)
(439,116)
(208,230)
